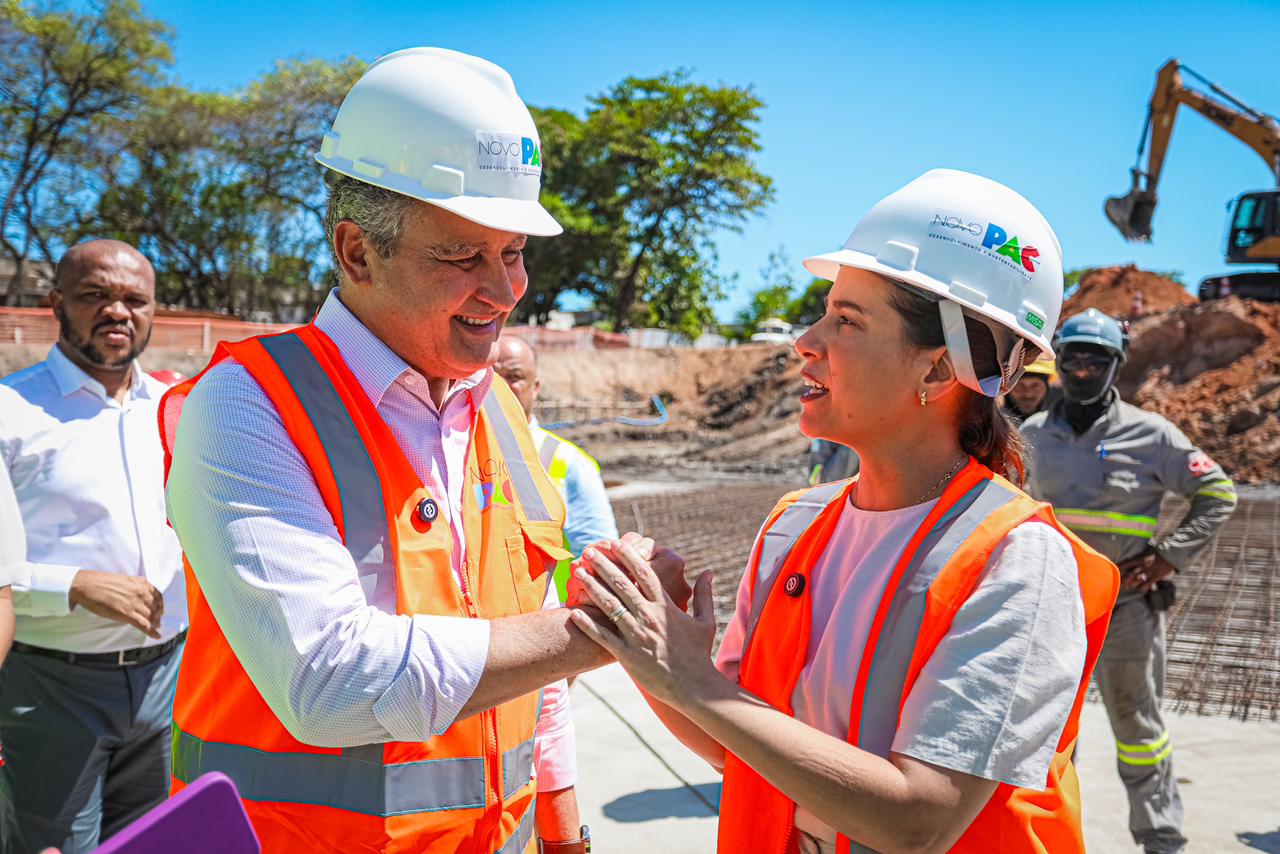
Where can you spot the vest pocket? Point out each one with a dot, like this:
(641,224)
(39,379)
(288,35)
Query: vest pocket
(530,591)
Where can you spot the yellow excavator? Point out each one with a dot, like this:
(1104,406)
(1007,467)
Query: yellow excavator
(1253,233)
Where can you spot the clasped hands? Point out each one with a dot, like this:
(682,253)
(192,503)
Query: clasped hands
(630,598)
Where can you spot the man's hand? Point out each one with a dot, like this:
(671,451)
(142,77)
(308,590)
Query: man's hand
(666,564)
(122,598)
(1144,571)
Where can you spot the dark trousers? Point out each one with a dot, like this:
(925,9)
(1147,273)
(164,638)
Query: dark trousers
(86,746)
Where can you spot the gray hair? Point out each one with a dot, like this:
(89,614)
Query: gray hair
(380,213)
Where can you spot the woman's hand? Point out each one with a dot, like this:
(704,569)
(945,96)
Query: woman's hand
(666,651)
(665,563)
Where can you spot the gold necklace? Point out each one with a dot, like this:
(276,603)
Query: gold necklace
(946,477)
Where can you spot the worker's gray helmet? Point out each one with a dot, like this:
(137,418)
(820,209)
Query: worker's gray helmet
(1093,327)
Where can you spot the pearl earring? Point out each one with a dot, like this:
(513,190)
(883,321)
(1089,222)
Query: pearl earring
(924,399)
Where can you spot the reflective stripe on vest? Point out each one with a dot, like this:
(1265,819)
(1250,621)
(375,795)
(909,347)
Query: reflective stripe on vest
(535,509)
(547,453)
(892,655)
(523,834)
(338,781)
(778,540)
(365,525)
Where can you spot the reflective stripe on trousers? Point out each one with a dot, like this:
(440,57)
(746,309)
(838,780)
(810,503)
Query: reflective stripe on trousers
(1145,753)
(353,784)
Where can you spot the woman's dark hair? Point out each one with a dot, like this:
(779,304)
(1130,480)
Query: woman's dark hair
(986,433)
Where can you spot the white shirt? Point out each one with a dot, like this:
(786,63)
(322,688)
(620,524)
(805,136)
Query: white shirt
(88,474)
(13,539)
(284,588)
(994,697)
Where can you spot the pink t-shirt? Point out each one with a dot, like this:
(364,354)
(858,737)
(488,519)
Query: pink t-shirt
(994,697)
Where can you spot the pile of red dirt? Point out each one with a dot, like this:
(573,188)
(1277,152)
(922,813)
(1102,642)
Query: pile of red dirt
(1112,290)
(1213,369)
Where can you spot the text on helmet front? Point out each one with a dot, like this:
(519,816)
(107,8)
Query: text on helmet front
(987,237)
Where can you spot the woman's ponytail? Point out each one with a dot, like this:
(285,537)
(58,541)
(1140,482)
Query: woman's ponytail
(986,432)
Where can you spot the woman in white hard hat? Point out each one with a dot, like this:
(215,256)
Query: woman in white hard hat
(910,650)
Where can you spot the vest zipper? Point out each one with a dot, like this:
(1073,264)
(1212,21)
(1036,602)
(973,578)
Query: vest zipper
(493,792)
(489,716)
(791,829)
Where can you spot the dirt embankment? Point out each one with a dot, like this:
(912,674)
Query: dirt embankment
(1214,370)
(1119,290)
(730,410)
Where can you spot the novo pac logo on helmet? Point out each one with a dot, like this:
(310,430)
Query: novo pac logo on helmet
(1024,255)
(508,152)
(986,237)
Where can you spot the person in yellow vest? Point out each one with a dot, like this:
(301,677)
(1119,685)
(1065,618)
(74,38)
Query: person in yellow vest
(911,648)
(588,514)
(376,657)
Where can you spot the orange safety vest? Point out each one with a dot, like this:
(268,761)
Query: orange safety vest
(469,789)
(933,577)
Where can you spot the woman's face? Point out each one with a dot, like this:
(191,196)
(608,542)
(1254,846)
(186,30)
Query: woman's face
(868,372)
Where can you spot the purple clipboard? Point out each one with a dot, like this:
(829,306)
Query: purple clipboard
(204,818)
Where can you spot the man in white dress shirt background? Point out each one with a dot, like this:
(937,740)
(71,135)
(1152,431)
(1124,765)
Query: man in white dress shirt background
(86,693)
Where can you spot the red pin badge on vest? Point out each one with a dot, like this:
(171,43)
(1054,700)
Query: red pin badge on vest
(428,510)
(794,585)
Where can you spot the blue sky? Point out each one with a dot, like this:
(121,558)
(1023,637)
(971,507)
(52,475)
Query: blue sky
(860,97)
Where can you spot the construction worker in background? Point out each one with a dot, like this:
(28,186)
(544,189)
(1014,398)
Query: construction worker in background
(1034,392)
(1105,466)
(588,514)
(830,461)
(365,521)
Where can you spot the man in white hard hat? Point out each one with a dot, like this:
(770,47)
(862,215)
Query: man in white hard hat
(366,524)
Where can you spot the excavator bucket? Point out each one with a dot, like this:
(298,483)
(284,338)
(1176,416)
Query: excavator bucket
(1131,214)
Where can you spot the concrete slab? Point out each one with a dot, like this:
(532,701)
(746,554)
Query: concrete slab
(1227,775)
(638,788)
(641,790)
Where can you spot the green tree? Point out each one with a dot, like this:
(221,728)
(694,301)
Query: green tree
(641,182)
(222,193)
(807,308)
(773,297)
(61,75)
(595,232)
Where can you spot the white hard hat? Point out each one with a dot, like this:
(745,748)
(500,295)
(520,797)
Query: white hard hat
(977,247)
(446,128)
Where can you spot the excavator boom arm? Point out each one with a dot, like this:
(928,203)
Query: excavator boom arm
(1132,213)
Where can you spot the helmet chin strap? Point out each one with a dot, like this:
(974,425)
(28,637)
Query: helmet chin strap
(957,338)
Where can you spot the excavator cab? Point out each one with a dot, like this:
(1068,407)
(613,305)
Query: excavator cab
(1254,233)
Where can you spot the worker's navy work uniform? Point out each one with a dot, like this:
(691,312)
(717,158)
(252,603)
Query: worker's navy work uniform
(1107,485)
